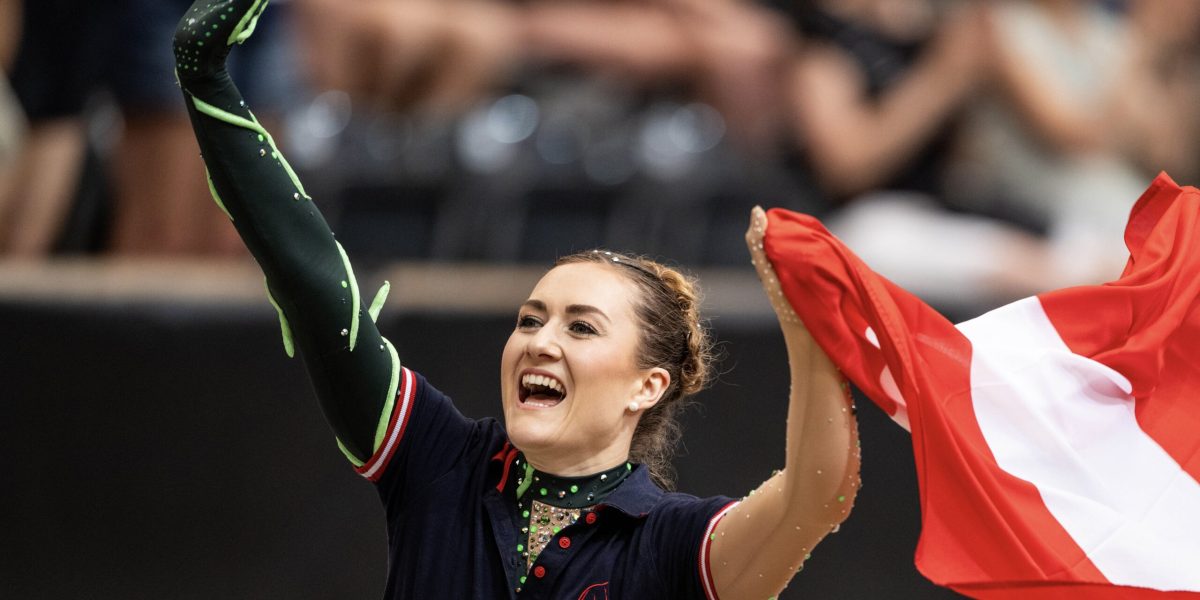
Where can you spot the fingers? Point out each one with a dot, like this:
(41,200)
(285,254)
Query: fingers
(208,29)
(757,230)
(766,272)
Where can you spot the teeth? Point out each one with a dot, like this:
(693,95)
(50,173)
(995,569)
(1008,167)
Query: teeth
(531,380)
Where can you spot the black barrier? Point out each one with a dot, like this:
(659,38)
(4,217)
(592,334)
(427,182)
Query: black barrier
(156,450)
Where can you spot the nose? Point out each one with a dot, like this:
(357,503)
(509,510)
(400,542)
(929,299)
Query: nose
(543,344)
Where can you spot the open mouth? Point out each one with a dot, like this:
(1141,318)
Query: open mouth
(541,391)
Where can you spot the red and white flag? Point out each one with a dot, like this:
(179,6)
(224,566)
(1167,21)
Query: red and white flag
(1057,439)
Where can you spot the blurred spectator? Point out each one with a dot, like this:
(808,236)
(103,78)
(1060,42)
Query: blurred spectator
(541,127)
(441,56)
(12,123)
(1052,143)
(161,205)
(10,29)
(1158,108)
(56,59)
(971,199)
(744,51)
(877,94)
(75,60)
(423,55)
(877,87)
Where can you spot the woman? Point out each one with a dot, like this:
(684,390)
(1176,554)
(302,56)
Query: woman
(566,499)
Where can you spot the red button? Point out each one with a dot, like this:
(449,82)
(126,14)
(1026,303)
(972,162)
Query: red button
(539,571)
(591,518)
(564,543)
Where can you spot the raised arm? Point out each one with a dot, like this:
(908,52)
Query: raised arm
(309,280)
(762,542)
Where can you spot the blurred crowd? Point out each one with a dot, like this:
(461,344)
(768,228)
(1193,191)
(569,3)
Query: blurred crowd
(973,151)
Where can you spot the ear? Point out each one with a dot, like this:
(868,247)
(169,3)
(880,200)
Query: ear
(654,384)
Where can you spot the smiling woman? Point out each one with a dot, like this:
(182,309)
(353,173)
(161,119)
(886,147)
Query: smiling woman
(636,348)
(567,498)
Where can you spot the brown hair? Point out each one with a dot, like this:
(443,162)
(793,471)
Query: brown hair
(673,338)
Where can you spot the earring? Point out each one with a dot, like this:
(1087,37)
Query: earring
(634,406)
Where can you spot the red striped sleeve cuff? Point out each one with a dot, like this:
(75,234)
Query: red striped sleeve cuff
(710,589)
(374,467)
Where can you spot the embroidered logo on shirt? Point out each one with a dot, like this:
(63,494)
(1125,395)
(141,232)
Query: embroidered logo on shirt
(596,591)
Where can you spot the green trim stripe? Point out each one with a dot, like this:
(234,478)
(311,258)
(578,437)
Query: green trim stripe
(288,345)
(212,189)
(385,416)
(390,403)
(354,296)
(349,455)
(252,125)
(380,298)
(527,481)
(245,27)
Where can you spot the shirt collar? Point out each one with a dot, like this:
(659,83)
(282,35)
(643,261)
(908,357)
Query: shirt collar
(637,495)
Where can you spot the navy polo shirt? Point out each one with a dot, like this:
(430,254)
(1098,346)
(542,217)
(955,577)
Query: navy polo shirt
(446,486)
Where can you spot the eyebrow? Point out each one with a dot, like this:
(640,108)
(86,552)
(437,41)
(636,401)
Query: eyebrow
(572,309)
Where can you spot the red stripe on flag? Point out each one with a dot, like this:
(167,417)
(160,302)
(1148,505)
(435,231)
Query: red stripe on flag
(980,523)
(1059,591)
(1146,325)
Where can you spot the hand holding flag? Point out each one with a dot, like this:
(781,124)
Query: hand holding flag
(1057,439)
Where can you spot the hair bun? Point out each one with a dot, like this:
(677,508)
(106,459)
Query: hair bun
(674,338)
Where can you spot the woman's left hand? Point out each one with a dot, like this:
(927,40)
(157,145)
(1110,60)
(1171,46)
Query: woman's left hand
(766,273)
(762,542)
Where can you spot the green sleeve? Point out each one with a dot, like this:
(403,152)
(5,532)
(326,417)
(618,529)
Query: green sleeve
(308,276)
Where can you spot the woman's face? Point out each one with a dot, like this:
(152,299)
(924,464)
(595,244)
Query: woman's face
(569,371)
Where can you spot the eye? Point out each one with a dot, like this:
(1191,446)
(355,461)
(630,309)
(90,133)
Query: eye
(582,328)
(528,322)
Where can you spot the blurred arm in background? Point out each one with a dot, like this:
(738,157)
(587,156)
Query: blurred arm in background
(857,140)
(1079,122)
(10,32)
(743,51)
(411,55)
(38,185)
(1062,121)
(12,121)
(440,56)
(1145,98)
(731,53)
(1157,107)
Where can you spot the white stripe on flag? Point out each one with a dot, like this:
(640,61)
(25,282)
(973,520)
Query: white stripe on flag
(887,382)
(1066,424)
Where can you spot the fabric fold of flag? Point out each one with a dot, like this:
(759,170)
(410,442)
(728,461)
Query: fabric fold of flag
(1057,439)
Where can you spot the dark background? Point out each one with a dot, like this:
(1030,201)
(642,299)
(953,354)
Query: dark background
(160,449)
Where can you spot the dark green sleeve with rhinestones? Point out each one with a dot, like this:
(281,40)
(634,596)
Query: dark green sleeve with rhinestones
(308,277)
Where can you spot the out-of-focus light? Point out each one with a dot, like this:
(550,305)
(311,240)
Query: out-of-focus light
(386,137)
(328,114)
(561,141)
(512,119)
(478,148)
(696,127)
(608,161)
(672,137)
(311,129)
